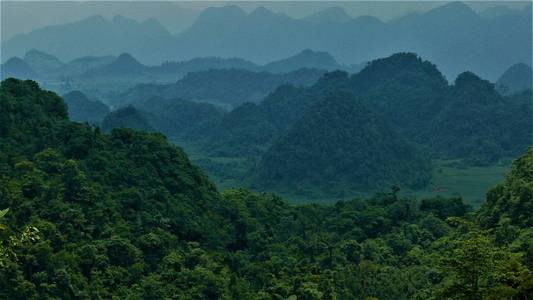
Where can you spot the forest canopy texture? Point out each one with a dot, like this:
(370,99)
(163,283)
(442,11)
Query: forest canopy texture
(126,215)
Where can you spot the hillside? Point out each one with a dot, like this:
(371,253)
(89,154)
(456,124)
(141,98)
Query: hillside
(250,129)
(124,65)
(17,68)
(126,215)
(340,145)
(518,78)
(82,109)
(126,117)
(305,59)
(224,87)
(181,119)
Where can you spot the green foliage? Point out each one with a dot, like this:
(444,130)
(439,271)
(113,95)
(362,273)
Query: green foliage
(127,117)
(126,216)
(339,145)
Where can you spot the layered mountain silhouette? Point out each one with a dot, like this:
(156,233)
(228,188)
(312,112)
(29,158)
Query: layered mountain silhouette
(126,117)
(82,109)
(329,15)
(515,79)
(17,68)
(452,36)
(226,87)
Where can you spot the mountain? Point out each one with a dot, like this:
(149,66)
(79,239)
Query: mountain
(340,145)
(94,36)
(478,124)
(251,128)
(181,119)
(126,117)
(305,59)
(17,68)
(81,65)
(127,215)
(467,121)
(43,63)
(515,79)
(82,109)
(452,36)
(329,15)
(203,64)
(123,65)
(224,87)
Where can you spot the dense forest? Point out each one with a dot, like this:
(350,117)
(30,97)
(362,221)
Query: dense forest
(266,150)
(90,215)
(313,124)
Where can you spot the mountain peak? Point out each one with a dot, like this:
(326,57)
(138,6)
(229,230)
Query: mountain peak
(261,11)
(452,10)
(307,58)
(221,14)
(126,58)
(329,15)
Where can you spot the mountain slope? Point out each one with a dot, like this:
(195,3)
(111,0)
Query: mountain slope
(94,36)
(82,109)
(517,78)
(225,87)
(126,117)
(305,59)
(340,145)
(17,68)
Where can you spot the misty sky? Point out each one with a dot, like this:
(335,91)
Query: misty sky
(19,17)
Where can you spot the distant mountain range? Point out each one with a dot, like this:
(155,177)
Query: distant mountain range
(224,87)
(40,65)
(453,36)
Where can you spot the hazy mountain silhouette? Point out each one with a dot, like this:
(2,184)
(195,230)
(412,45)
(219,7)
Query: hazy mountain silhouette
(43,62)
(452,36)
(94,36)
(83,109)
(124,65)
(17,68)
(329,15)
(515,79)
(304,59)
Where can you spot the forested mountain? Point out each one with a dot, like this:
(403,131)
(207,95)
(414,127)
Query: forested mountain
(478,124)
(126,215)
(518,78)
(43,63)
(229,87)
(124,65)
(250,129)
(126,117)
(18,68)
(305,59)
(181,119)
(82,109)
(340,145)
(468,120)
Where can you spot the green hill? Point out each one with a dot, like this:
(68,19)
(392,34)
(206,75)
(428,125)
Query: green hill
(82,109)
(126,117)
(125,215)
(340,145)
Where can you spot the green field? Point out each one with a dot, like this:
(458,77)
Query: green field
(449,179)
(471,183)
